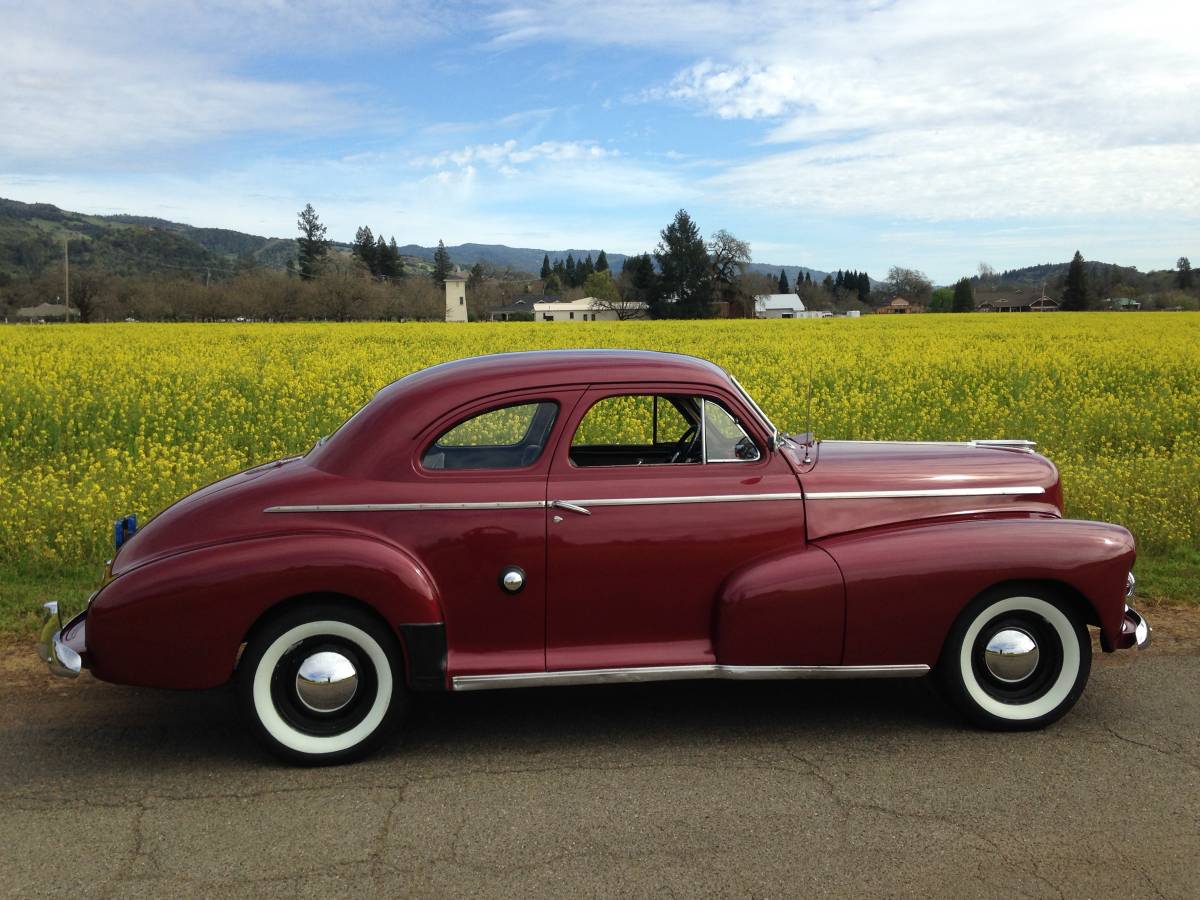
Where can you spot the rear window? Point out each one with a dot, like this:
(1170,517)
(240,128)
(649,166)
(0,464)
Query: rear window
(508,437)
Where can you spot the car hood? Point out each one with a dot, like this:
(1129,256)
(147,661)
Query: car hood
(852,485)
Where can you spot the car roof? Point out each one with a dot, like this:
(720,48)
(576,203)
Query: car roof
(423,396)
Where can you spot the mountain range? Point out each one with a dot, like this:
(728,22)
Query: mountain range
(32,236)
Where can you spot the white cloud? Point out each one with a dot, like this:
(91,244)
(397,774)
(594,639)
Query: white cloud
(934,109)
(507,156)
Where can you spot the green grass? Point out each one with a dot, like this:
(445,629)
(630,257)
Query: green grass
(1172,579)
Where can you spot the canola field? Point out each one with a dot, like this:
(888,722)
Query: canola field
(98,421)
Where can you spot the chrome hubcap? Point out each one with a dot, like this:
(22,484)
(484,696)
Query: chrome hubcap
(326,682)
(1011,655)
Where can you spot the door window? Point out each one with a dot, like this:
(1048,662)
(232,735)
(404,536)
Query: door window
(659,429)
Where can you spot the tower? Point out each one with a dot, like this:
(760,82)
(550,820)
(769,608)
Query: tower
(456,297)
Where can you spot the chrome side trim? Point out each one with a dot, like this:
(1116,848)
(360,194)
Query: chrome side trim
(679,673)
(406,507)
(928,492)
(705,498)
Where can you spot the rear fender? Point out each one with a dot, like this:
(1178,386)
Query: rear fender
(906,586)
(179,621)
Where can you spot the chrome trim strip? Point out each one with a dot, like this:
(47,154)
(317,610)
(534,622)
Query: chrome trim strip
(706,498)
(406,507)
(679,673)
(928,492)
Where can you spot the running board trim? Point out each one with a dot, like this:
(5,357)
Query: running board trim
(679,673)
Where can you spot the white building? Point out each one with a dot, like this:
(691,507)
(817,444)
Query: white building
(588,309)
(784,306)
(456,297)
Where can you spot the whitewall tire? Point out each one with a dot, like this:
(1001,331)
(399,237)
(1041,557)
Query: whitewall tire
(322,683)
(1017,658)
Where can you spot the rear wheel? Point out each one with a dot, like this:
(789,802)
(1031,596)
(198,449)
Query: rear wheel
(1018,658)
(322,683)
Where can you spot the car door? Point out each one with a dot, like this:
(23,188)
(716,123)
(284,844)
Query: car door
(646,521)
(480,492)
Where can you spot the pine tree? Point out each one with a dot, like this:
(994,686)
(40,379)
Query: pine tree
(1184,278)
(545,267)
(312,244)
(366,249)
(588,268)
(686,271)
(964,296)
(783,283)
(394,260)
(864,287)
(1075,294)
(602,262)
(441,264)
(570,271)
(475,277)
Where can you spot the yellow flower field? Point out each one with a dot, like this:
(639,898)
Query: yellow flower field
(101,420)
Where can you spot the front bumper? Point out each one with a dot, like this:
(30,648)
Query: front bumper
(63,648)
(1135,630)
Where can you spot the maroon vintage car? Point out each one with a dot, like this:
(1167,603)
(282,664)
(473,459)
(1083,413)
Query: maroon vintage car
(571,517)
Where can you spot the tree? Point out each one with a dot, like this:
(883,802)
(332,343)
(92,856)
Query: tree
(729,258)
(685,284)
(366,249)
(602,262)
(87,289)
(964,296)
(783,283)
(312,243)
(864,287)
(441,264)
(1184,278)
(571,274)
(911,284)
(639,281)
(475,277)
(987,275)
(552,285)
(603,290)
(942,300)
(545,267)
(395,265)
(1075,295)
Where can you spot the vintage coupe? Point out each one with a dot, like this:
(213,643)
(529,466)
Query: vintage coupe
(571,517)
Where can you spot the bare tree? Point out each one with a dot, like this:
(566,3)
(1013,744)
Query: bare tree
(912,284)
(605,296)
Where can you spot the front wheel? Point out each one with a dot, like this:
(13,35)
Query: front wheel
(322,683)
(1016,659)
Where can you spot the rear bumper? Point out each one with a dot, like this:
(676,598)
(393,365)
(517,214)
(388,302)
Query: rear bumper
(63,648)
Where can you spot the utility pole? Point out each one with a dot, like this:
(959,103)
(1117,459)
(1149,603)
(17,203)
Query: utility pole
(67,280)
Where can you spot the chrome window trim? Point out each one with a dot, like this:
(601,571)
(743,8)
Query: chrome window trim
(680,673)
(700,498)
(927,493)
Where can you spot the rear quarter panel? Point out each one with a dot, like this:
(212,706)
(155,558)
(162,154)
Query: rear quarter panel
(178,622)
(906,585)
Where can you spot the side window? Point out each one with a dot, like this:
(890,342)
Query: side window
(508,437)
(724,438)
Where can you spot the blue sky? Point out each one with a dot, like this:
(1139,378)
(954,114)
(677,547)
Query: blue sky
(925,133)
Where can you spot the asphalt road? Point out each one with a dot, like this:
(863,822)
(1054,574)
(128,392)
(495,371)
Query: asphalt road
(755,789)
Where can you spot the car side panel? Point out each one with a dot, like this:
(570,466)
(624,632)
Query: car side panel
(906,586)
(788,609)
(178,622)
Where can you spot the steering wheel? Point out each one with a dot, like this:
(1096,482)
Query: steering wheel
(685,445)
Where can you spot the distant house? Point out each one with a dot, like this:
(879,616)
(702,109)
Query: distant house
(784,306)
(898,306)
(1122,303)
(587,309)
(521,308)
(1020,304)
(44,311)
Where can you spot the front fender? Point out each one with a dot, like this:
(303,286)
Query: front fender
(905,586)
(178,621)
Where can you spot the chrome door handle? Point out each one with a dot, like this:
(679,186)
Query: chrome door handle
(573,507)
